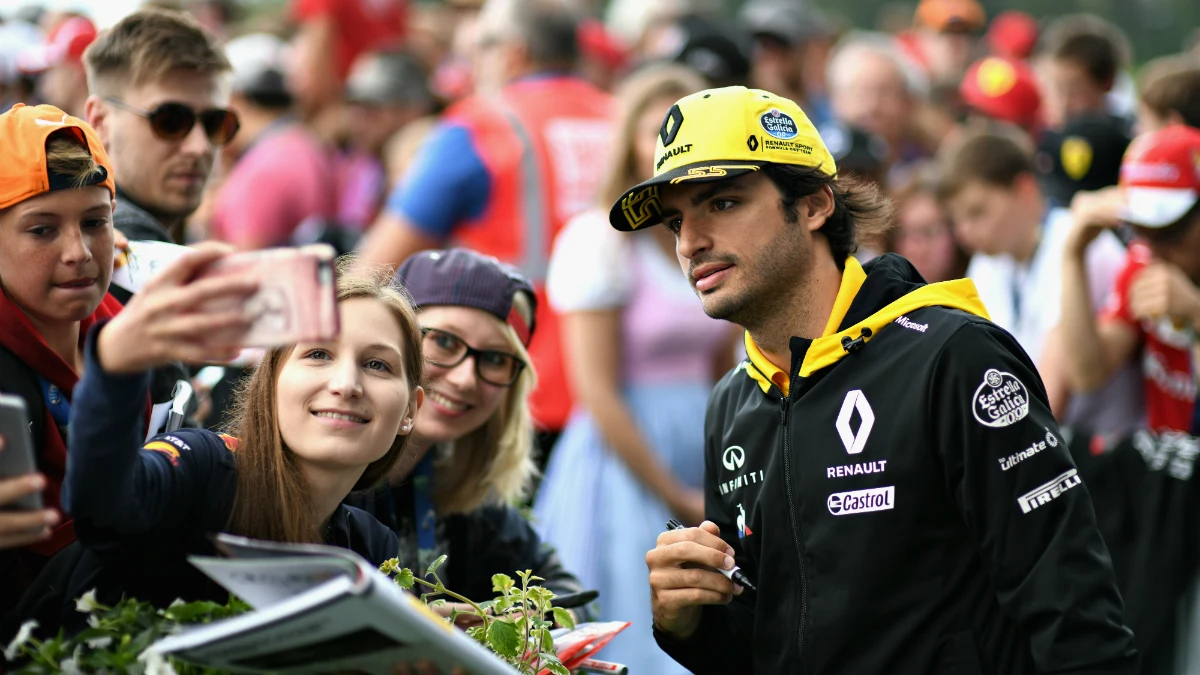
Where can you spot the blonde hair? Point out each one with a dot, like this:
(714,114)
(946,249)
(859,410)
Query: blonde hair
(649,85)
(146,47)
(67,156)
(494,463)
(273,501)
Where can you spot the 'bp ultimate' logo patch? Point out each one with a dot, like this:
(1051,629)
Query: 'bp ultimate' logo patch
(1000,400)
(779,124)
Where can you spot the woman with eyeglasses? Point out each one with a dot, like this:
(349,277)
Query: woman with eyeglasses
(454,494)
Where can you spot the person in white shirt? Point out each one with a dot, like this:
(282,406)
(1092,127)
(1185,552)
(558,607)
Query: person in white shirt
(990,186)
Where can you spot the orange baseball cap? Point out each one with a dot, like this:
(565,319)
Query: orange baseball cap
(24,131)
(951,15)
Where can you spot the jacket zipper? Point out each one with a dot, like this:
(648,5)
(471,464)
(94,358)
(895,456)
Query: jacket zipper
(787,483)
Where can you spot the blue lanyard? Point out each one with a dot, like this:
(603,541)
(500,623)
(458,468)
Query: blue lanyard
(56,403)
(424,512)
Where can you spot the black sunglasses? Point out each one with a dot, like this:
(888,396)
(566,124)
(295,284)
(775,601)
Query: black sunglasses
(445,349)
(174,121)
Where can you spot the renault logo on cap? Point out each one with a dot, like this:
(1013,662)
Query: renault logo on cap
(670,125)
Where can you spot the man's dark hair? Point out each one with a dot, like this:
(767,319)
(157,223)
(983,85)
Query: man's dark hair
(1172,85)
(859,208)
(989,157)
(551,36)
(1095,44)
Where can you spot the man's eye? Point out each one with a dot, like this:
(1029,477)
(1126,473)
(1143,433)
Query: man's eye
(673,225)
(723,204)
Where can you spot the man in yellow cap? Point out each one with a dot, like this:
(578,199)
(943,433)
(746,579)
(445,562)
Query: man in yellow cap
(884,467)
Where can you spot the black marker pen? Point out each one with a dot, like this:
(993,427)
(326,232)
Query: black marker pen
(736,574)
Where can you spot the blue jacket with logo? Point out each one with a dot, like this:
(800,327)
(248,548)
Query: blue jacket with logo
(904,502)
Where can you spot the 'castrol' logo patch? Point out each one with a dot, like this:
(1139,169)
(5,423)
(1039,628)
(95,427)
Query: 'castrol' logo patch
(1000,400)
(861,501)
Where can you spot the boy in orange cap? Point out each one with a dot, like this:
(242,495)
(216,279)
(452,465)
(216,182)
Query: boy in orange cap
(56,259)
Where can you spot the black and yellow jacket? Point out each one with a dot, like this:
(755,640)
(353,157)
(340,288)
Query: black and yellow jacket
(904,502)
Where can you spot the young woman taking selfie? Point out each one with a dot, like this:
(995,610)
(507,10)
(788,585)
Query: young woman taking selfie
(454,494)
(314,422)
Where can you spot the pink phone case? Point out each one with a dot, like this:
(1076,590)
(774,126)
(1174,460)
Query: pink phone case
(297,293)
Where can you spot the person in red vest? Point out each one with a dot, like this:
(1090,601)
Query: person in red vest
(506,169)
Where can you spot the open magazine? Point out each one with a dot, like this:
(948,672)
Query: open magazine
(321,609)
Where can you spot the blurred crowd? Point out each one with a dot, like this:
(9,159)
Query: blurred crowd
(1009,145)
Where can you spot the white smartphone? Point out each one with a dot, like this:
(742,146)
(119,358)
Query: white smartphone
(17,458)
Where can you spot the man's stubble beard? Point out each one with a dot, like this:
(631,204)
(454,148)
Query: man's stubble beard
(770,281)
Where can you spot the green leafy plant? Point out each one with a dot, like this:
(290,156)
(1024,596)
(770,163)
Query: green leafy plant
(514,622)
(116,638)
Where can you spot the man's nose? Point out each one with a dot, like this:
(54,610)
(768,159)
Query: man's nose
(691,240)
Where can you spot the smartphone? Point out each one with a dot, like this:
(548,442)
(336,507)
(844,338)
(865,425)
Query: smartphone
(296,299)
(17,458)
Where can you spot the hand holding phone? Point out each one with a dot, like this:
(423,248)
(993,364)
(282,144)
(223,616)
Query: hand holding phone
(295,298)
(167,319)
(23,521)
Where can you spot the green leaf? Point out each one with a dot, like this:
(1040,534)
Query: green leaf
(404,579)
(503,638)
(486,604)
(438,603)
(433,566)
(563,618)
(550,662)
(502,583)
(477,633)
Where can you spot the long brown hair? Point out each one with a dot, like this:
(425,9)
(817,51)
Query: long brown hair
(273,500)
(649,85)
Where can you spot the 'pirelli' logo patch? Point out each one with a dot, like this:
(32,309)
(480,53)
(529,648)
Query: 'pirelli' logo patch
(1048,492)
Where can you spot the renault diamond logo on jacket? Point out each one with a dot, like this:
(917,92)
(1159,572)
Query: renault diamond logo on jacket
(855,441)
(861,501)
(734,457)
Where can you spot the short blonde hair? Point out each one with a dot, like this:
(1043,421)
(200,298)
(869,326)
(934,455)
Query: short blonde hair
(147,45)
(494,463)
(70,158)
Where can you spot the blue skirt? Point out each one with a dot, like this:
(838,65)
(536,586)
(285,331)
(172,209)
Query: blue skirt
(603,521)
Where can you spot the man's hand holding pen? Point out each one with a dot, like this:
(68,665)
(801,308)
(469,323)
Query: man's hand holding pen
(683,577)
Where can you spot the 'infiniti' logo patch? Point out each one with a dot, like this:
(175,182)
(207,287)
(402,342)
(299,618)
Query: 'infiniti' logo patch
(1000,400)
(734,457)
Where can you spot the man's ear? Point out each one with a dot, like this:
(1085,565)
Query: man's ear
(819,207)
(1027,187)
(97,112)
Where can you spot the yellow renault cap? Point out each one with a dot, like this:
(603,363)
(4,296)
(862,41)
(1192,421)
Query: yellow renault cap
(718,134)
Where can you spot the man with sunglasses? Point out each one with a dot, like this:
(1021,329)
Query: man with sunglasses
(1155,307)
(159,104)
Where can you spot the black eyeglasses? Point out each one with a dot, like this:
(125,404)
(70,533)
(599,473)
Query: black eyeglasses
(448,350)
(174,121)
